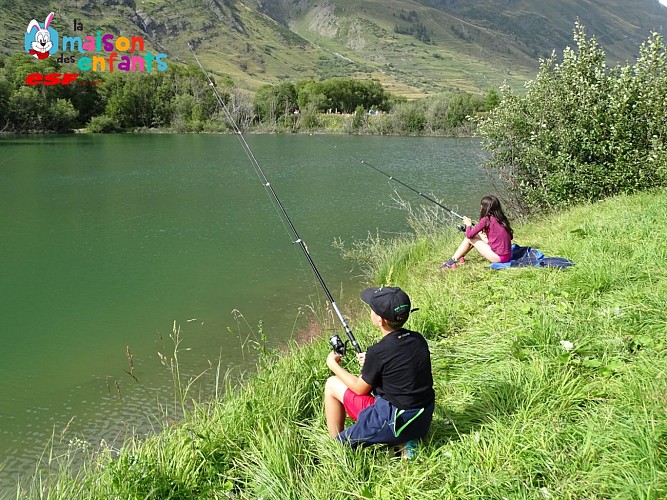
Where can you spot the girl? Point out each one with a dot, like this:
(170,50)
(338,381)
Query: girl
(492,236)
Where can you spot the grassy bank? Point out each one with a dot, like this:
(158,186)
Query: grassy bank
(550,384)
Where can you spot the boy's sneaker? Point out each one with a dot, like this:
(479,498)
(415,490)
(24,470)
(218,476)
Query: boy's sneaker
(449,264)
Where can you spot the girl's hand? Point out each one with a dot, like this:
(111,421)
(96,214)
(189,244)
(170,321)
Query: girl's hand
(467,221)
(333,360)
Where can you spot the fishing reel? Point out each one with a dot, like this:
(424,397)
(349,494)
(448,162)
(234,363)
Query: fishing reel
(461,228)
(338,346)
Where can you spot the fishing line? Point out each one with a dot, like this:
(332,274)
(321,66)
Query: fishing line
(391,177)
(278,203)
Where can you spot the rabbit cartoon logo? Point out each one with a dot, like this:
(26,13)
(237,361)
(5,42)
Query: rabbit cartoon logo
(41,42)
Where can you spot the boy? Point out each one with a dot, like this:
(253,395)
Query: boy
(397,369)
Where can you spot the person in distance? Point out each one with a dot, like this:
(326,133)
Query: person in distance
(491,236)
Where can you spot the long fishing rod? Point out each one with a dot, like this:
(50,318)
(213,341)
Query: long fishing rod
(391,177)
(335,341)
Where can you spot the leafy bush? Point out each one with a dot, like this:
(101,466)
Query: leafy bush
(358,117)
(581,132)
(179,97)
(449,112)
(310,118)
(380,124)
(409,117)
(103,125)
(26,110)
(61,115)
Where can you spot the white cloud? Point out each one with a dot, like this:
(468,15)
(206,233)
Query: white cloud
(663,2)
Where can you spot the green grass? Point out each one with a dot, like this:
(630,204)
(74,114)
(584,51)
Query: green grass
(519,413)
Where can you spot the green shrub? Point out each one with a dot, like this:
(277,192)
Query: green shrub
(581,132)
(409,117)
(310,118)
(103,125)
(62,116)
(380,124)
(359,117)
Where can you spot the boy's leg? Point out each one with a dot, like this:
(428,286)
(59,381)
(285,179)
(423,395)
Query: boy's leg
(334,394)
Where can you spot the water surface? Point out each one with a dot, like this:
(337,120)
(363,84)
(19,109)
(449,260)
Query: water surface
(107,241)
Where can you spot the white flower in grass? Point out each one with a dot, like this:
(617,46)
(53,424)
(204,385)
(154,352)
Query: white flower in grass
(567,345)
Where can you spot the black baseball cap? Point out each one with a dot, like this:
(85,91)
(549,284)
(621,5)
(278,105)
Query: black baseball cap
(388,302)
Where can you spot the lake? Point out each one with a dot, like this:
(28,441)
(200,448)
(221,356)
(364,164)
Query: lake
(110,241)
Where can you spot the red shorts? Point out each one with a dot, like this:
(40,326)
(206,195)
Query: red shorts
(354,403)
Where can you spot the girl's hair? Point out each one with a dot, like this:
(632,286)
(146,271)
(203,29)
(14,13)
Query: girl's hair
(491,206)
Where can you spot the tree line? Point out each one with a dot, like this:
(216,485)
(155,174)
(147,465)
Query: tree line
(180,99)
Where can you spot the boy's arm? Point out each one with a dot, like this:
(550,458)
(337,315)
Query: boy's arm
(354,383)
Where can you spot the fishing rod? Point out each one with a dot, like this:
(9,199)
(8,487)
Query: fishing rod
(335,341)
(391,177)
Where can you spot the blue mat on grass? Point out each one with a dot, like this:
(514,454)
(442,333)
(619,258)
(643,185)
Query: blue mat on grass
(528,256)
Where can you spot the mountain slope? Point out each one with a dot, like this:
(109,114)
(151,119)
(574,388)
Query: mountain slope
(470,43)
(413,46)
(619,25)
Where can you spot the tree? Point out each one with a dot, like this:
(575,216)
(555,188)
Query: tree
(139,99)
(275,101)
(61,116)
(310,96)
(27,110)
(85,97)
(43,108)
(346,94)
(5,95)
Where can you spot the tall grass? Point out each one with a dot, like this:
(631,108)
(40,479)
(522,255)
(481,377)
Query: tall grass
(550,384)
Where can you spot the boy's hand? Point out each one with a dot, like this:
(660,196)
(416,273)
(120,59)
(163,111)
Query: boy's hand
(361,357)
(333,360)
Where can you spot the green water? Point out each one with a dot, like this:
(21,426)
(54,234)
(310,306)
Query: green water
(109,240)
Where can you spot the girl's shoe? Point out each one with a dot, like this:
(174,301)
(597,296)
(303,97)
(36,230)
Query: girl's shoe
(449,264)
(461,261)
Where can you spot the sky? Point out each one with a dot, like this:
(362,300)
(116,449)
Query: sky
(663,2)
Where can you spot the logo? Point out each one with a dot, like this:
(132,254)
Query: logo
(99,52)
(40,40)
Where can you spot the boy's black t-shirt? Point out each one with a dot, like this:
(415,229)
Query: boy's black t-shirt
(399,369)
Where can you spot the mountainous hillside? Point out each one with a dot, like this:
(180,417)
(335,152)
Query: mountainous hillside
(413,47)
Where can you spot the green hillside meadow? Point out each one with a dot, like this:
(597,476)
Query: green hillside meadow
(550,384)
(414,47)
